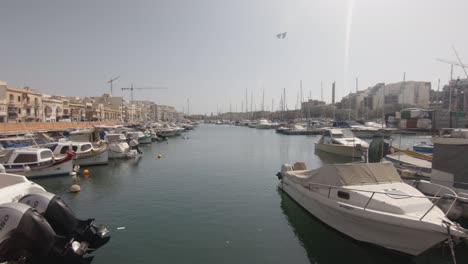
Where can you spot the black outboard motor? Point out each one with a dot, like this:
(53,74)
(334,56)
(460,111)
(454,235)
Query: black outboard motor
(64,222)
(27,237)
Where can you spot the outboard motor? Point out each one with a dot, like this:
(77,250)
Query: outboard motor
(26,237)
(64,222)
(134,145)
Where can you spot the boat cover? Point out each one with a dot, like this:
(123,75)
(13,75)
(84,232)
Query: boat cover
(347,174)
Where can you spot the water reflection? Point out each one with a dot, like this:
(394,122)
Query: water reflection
(326,245)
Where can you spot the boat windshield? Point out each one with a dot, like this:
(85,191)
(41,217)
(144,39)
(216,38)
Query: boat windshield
(344,133)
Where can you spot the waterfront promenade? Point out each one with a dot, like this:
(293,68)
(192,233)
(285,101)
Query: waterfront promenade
(31,126)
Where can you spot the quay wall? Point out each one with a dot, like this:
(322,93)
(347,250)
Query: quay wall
(9,127)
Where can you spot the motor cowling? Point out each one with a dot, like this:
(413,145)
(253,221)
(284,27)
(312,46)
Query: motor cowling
(27,237)
(64,222)
(23,233)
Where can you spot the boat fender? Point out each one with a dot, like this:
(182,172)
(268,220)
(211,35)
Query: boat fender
(64,222)
(2,169)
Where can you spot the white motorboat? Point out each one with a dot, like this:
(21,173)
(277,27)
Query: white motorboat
(370,203)
(140,137)
(167,131)
(296,129)
(263,124)
(342,142)
(118,147)
(86,153)
(363,131)
(36,162)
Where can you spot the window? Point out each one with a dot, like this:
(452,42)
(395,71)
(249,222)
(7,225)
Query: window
(327,134)
(19,98)
(12,98)
(25,158)
(64,150)
(85,147)
(19,110)
(74,148)
(343,195)
(46,154)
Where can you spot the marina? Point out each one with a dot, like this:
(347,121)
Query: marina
(229,202)
(266,131)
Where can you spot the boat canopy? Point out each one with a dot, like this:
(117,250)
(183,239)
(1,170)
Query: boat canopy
(347,174)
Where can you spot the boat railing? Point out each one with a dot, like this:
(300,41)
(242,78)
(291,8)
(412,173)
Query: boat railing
(435,198)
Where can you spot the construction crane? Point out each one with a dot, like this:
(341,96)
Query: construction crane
(131,88)
(459,63)
(111,81)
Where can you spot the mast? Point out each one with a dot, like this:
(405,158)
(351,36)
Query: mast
(321,91)
(246,101)
(263,100)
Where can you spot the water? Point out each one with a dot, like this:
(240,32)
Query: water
(213,198)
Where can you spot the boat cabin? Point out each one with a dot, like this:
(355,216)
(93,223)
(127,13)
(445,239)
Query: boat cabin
(336,133)
(27,156)
(78,147)
(113,138)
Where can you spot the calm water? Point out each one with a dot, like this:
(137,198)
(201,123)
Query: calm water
(213,198)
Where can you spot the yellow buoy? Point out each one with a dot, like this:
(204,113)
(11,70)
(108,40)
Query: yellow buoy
(75,188)
(85,172)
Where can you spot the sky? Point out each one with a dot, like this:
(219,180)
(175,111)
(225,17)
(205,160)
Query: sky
(211,51)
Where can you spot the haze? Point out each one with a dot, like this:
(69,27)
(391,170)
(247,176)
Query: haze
(212,50)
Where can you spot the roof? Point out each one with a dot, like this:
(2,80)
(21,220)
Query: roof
(347,174)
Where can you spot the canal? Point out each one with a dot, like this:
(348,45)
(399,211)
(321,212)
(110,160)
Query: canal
(213,198)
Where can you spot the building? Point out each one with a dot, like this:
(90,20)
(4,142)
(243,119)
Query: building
(383,98)
(19,104)
(52,108)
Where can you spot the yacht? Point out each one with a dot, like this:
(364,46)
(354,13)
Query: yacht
(118,147)
(263,124)
(36,162)
(86,153)
(369,202)
(342,142)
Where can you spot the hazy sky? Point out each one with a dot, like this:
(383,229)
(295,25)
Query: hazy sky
(212,50)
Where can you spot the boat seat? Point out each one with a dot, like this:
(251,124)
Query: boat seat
(299,166)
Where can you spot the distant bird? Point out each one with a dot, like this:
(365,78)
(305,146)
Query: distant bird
(281,35)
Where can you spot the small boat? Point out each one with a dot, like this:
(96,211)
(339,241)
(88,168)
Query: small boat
(424,147)
(342,142)
(369,202)
(36,162)
(263,124)
(86,153)
(296,129)
(118,147)
(405,161)
(140,136)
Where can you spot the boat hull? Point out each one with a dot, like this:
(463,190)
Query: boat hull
(145,140)
(347,151)
(63,168)
(347,220)
(130,154)
(100,158)
(169,133)
(423,149)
